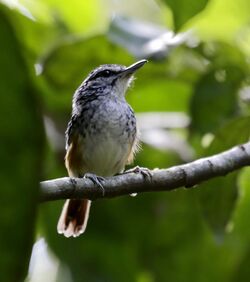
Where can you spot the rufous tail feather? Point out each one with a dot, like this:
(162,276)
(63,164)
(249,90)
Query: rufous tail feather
(74,217)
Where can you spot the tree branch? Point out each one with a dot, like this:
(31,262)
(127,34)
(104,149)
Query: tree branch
(186,175)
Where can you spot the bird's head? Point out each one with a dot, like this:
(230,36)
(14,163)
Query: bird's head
(114,78)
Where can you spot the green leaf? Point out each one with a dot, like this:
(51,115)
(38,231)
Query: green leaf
(215,99)
(41,24)
(218,196)
(80,16)
(20,154)
(184,10)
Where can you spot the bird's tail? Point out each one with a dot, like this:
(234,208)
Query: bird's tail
(74,217)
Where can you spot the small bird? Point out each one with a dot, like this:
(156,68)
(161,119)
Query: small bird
(101,137)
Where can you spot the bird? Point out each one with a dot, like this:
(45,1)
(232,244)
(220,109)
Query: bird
(101,136)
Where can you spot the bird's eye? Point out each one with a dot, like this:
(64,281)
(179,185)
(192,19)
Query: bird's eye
(103,73)
(106,73)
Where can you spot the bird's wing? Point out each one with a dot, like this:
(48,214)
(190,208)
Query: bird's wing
(134,149)
(71,131)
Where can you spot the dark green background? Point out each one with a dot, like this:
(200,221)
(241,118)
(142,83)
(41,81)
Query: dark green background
(193,235)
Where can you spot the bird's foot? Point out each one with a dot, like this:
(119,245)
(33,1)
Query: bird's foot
(96,180)
(145,172)
(73,181)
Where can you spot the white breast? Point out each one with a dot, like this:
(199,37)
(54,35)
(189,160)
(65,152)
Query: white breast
(109,137)
(106,157)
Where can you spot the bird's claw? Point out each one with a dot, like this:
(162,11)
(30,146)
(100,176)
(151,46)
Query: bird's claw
(145,172)
(73,181)
(96,180)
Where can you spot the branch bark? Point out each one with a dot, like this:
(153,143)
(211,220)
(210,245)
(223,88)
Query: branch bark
(187,175)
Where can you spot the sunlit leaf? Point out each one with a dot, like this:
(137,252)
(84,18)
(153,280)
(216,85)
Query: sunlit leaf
(222,20)
(79,16)
(45,22)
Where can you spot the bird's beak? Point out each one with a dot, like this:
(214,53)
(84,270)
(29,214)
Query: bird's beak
(133,68)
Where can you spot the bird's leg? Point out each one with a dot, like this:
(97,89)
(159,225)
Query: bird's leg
(96,180)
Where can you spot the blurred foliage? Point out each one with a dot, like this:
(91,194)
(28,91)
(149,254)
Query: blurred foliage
(46,49)
(184,10)
(21,158)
